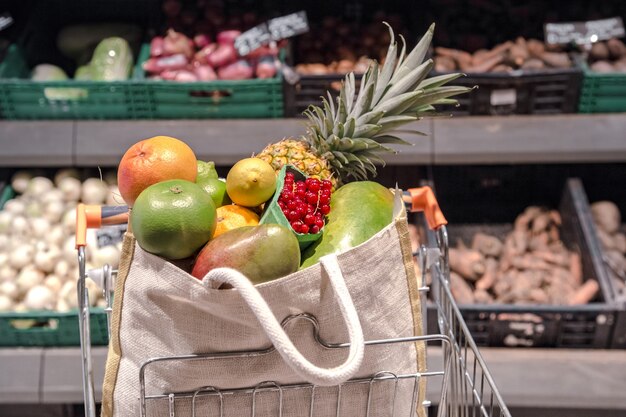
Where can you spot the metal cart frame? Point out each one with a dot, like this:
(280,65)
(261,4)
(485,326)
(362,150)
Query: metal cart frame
(467,387)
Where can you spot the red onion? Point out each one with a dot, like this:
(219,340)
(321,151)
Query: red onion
(266,68)
(168,75)
(239,70)
(201,41)
(205,73)
(156,46)
(157,65)
(202,56)
(224,54)
(177,43)
(185,76)
(228,37)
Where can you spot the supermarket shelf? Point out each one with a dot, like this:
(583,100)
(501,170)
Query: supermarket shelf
(470,140)
(531,378)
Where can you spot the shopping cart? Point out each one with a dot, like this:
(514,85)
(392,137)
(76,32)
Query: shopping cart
(466,386)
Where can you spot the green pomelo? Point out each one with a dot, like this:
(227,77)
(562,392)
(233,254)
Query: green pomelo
(262,253)
(206,170)
(173,219)
(358,211)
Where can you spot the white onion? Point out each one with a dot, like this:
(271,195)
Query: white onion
(21,256)
(20,181)
(53,195)
(39,185)
(40,297)
(28,278)
(106,255)
(71,188)
(9,289)
(68,294)
(53,211)
(6,218)
(56,237)
(62,269)
(33,209)
(20,226)
(4,259)
(69,221)
(94,191)
(6,303)
(69,251)
(54,283)
(65,173)
(40,227)
(15,206)
(46,260)
(62,306)
(95,292)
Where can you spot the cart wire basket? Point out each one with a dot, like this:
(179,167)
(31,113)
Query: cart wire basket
(465,386)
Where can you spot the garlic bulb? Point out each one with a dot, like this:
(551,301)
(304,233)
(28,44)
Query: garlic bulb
(56,236)
(69,251)
(40,227)
(9,288)
(62,306)
(6,303)
(68,294)
(15,206)
(53,211)
(62,269)
(28,278)
(20,181)
(53,195)
(20,226)
(69,221)
(47,258)
(54,283)
(6,219)
(33,209)
(21,256)
(38,185)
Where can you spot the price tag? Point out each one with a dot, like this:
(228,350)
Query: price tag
(252,39)
(583,33)
(287,26)
(503,97)
(111,235)
(6,20)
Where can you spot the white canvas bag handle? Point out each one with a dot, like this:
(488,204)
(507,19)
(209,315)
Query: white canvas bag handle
(280,340)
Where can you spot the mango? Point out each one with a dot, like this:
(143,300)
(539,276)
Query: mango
(358,210)
(262,253)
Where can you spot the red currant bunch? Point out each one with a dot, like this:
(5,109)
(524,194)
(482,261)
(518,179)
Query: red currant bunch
(305,203)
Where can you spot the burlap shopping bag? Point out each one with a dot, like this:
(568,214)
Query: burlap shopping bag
(367,293)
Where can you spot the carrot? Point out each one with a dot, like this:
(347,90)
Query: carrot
(556,59)
(520,241)
(487,245)
(490,275)
(585,293)
(467,263)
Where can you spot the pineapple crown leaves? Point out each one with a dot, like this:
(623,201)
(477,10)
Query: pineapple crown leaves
(350,131)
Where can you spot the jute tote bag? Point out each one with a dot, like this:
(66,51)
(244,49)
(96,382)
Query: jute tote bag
(367,293)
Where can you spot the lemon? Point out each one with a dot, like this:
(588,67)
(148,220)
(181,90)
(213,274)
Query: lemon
(251,182)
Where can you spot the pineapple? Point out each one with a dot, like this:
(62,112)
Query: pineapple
(344,139)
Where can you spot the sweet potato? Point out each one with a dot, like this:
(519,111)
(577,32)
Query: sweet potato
(461,291)
(606,215)
(490,276)
(523,221)
(576,269)
(485,65)
(599,50)
(539,242)
(470,264)
(556,59)
(585,293)
(518,53)
(615,260)
(487,245)
(502,68)
(616,47)
(533,64)
(463,59)
(556,258)
(540,222)
(535,47)
(539,296)
(528,261)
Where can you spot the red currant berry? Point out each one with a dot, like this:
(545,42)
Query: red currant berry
(313,185)
(281,204)
(309,219)
(310,208)
(286,195)
(327,185)
(290,176)
(319,223)
(304,229)
(292,205)
(293,215)
(311,198)
(314,229)
(324,199)
(296,225)
(325,209)
(300,193)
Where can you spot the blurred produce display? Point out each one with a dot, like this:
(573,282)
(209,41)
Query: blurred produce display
(338,46)
(531,265)
(38,261)
(609,56)
(612,236)
(524,54)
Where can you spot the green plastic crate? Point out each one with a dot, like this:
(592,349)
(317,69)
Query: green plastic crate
(602,92)
(6,193)
(50,329)
(21,98)
(254,98)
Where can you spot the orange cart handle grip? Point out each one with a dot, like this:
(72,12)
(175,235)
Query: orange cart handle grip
(94,217)
(423,199)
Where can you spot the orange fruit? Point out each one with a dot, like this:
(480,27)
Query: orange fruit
(154,160)
(232,216)
(173,219)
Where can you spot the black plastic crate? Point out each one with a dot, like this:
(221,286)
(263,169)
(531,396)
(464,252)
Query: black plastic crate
(519,92)
(607,184)
(498,325)
(310,90)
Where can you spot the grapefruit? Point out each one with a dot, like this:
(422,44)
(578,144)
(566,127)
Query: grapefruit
(151,161)
(251,182)
(173,219)
(232,216)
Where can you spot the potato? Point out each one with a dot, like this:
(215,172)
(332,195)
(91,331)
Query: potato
(607,216)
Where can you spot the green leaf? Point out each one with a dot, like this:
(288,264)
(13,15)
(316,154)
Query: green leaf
(388,68)
(434,94)
(410,132)
(363,102)
(338,130)
(370,117)
(366,131)
(340,157)
(392,104)
(391,139)
(349,127)
(439,80)
(411,80)
(416,56)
